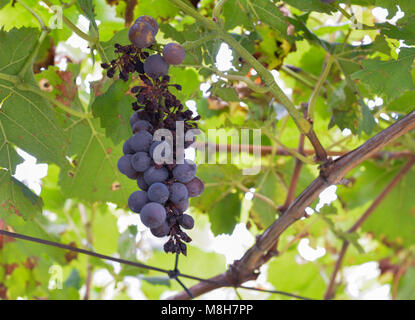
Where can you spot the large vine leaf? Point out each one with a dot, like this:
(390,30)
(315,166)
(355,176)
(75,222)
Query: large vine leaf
(27,121)
(388,79)
(94,175)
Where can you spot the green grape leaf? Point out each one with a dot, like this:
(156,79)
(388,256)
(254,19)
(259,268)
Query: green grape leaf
(113,108)
(94,175)
(305,278)
(395,217)
(270,186)
(388,79)
(224,214)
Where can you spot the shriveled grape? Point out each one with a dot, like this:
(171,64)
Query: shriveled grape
(158,192)
(155,66)
(153,215)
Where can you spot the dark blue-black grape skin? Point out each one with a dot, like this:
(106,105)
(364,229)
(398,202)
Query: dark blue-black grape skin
(153,215)
(125,167)
(195,187)
(141,141)
(161,231)
(141,125)
(153,175)
(174,53)
(186,221)
(126,148)
(141,183)
(140,161)
(158,192)
(185,172)
(178,192)
(155,66)
(141,34)
(137,200)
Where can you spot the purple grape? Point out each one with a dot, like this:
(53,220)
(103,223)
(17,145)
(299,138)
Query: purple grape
(153,175)
(186,221)
(178,192)
(141,34)
(155,66)
(135,117)
(161,231)
(174,53)
(141,183)
(126,148)
(185,172)
(141,125)
(195,187)
(124,166)
(140,161)
(158,192)
(150,20)
(153,215)
(141,141)
(182,205)
(137,200)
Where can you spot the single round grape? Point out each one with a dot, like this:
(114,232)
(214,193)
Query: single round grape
(150,20)
(155,66)
(141,141)
(185,172)
(126,148)
(178,192)
(158,192)
(135,117)
(186,221)
(141,34)
(153,215)
(140,161)
(161,231)
(137,200)
(141,183)
(124,166)
(174,53)
(153,175)
(141,125)
(195,187)
(183,205)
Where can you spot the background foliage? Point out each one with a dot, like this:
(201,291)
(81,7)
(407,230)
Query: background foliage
(57,105)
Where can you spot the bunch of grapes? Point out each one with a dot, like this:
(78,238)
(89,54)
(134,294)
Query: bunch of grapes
(165,183)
